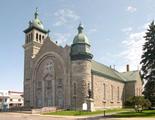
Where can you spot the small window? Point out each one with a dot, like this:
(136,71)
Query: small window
(19,100)
(10,104)
(10,99)
(42,37)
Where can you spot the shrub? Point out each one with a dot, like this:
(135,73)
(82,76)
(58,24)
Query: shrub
(138,103)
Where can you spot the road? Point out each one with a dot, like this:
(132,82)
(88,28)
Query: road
(21,116)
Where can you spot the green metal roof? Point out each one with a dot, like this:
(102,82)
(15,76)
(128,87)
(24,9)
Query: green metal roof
(107,72)
(131,75)
(80,37)
(36,23)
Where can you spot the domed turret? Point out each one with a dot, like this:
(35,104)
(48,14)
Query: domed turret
(80,37)
(36,23)
(80,49)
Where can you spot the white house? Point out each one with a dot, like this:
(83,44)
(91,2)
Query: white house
(10,99)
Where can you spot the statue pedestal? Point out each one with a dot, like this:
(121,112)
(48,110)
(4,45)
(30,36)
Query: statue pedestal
(90,105)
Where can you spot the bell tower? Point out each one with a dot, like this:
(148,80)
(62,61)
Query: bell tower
(35,35)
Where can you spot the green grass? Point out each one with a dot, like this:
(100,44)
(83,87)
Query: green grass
(81,113)
(145,113)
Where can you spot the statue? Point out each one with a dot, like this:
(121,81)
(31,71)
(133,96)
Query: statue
(89,93)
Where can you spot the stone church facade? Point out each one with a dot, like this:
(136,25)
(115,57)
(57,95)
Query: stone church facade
(67,76)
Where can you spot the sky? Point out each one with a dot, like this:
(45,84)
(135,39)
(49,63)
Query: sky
(114,28)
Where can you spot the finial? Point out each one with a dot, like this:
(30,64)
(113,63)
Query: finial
(48,32)
(80,28)
(36,13)
(30,23)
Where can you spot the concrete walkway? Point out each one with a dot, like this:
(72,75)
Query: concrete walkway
(22,116)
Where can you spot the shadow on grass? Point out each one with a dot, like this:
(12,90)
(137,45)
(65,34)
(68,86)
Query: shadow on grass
(146,113)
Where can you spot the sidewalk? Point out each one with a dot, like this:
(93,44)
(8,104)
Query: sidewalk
(22,116)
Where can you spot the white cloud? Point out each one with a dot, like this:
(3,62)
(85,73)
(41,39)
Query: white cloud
(131,9)
(146,26)
(65,16)
(133,49)
(92,30)
(127,30)
(61,38)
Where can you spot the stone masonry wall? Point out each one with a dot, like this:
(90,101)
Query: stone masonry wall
(81,77)
(107,99)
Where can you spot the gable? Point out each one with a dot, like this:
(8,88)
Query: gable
(50,46)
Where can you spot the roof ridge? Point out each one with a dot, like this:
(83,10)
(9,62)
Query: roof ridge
(105,65)
(130,71)
(112,72)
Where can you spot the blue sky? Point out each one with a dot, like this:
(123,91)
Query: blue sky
(115,29)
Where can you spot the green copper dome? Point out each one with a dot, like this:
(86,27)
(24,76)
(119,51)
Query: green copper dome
(80,37)
(37,22)
(80,49)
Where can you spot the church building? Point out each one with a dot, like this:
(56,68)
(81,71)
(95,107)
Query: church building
(66,77)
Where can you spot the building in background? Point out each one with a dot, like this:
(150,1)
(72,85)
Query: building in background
(10,99)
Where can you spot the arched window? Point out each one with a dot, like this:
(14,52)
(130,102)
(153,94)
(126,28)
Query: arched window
(40,38)
(112,94)
(37,36)
(137,92)
(104,91)
(118,94)
(27,39)
(140,92)
(31,36)
(74,88)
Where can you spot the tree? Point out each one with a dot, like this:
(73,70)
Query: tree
(138,103)
(148,64)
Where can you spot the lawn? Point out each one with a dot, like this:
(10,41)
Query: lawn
(145,113)
(81,113)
